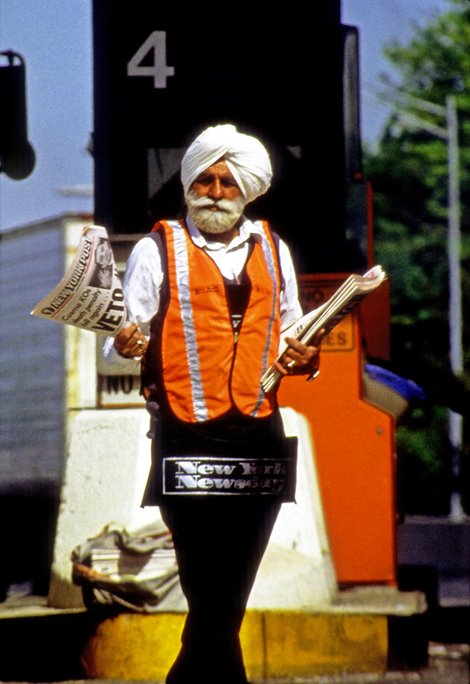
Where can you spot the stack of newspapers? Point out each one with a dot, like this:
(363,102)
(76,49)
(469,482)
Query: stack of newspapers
(320,321)
(118,563)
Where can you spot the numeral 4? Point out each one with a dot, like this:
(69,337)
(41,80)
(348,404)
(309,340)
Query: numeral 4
(159,70)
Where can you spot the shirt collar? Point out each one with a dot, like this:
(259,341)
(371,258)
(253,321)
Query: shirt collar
(247,229)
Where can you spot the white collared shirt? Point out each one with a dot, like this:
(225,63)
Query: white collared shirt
(144,278)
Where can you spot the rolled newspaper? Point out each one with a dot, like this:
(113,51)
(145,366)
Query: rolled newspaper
(325,317)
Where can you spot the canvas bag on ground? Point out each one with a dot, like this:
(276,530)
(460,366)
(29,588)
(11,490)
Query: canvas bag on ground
(135,571)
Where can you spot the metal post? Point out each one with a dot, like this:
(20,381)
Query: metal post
(450,135)
(455,293)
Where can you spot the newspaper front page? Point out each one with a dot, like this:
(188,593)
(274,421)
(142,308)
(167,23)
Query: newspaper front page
(90,294)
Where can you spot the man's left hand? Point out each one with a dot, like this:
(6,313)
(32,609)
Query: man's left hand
(300,359)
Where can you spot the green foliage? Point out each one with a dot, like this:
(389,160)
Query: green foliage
(409,175)
(424,463)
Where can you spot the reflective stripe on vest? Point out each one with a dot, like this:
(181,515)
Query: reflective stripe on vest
(184,298)
(203,373)
(269,255)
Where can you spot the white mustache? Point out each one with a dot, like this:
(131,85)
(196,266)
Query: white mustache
(206,203)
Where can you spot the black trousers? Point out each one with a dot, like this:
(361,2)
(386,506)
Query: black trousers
(219,543)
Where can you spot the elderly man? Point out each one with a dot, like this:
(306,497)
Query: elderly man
(209,296)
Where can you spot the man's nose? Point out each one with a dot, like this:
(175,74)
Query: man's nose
(215,190)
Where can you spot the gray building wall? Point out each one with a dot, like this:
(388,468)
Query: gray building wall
(32,365)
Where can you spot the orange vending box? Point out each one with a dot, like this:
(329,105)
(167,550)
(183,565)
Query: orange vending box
(353,443)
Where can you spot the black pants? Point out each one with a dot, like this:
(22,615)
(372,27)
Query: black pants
(219,544)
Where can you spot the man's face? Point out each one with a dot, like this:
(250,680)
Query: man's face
(217,183)
(215,202)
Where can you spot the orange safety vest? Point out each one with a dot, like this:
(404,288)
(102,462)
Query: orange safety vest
(204,373)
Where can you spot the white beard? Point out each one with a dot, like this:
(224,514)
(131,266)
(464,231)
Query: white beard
(209,221)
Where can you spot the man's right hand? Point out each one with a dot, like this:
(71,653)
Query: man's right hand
(130,342)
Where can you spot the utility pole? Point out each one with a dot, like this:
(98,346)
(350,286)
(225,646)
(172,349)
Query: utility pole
(455,291)
(449,133)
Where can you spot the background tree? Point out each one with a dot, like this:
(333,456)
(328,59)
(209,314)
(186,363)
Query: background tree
(409,176)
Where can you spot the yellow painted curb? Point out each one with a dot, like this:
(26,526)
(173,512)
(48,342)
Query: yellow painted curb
(274,643)
(302,644)
(133,646)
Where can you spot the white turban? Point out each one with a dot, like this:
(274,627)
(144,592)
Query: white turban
(245,156)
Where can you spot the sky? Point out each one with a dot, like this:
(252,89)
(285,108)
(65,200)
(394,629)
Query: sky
(54,37)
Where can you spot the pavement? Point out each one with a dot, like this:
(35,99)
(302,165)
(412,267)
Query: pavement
(448,664)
